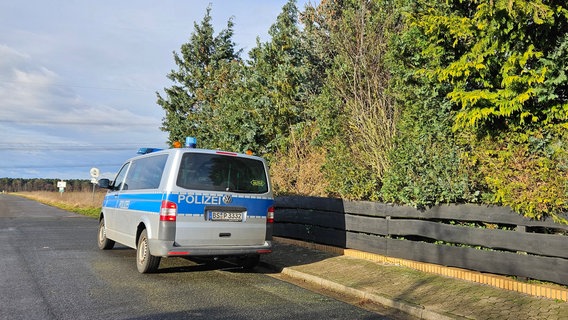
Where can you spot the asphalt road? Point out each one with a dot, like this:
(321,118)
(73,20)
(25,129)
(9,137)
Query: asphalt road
(51,268)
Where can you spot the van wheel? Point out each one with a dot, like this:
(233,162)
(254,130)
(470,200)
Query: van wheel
(145,262)
(104,242)
(249,262)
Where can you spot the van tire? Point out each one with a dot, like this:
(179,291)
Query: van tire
(145,262)
(103,242)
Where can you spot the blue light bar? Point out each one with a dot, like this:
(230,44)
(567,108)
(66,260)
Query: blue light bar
(190,142)
(147,150)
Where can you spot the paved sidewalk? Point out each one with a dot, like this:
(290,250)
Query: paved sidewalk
(423,295)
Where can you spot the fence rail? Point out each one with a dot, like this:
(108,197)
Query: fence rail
(482,238)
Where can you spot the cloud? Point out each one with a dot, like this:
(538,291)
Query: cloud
(49,127)
(10,57)
(24,87)
(78,78)
(34,95)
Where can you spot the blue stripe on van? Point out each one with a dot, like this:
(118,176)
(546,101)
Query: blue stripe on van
(143,202)
(195,203)
(188,203)
(149,202)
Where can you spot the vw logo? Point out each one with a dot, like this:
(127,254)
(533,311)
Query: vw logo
(227,199)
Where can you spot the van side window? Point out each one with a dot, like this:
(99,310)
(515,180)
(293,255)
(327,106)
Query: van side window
(146,173)
(213,172)
(118,181)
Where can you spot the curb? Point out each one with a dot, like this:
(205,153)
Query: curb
(501,282)
(414,310)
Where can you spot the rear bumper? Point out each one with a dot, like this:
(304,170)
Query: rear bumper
(169,249)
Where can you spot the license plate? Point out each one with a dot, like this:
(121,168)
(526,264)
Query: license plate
(225,216)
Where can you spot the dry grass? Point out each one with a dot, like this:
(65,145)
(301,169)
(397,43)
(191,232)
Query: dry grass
(85,203)
(298,169)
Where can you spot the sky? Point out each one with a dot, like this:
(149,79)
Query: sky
(78,78)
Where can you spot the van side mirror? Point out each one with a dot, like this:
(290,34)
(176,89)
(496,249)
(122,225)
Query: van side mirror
(104,183)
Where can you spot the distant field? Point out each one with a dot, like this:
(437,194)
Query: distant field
(85,203)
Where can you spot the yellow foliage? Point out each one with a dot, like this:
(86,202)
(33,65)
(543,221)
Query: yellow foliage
(297,170)
(532,183)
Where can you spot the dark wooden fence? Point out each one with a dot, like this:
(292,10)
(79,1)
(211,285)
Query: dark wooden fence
(482,238)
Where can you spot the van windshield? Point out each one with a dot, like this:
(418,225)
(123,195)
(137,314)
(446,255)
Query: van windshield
(213,172)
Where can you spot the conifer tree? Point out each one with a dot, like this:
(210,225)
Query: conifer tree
(191,102)
(280,78)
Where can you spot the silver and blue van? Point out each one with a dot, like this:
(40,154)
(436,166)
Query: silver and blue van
(189,202)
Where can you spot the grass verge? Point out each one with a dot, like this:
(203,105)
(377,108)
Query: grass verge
(83,203)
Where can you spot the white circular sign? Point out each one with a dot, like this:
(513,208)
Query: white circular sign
(94,172)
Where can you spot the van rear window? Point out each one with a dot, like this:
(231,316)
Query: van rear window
(213,172)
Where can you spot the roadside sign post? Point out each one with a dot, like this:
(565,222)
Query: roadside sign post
(61,185)
(94,175)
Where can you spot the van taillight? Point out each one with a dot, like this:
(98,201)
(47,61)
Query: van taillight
(168,211)
(270,215)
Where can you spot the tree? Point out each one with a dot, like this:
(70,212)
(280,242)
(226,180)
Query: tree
(231,105)
(355,114)
(491,80)
(204,73)
(427,166)
(281,80)
(503,54)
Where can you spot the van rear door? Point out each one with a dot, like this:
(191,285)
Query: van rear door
(225,200)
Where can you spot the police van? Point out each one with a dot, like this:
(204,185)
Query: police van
(189,202)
